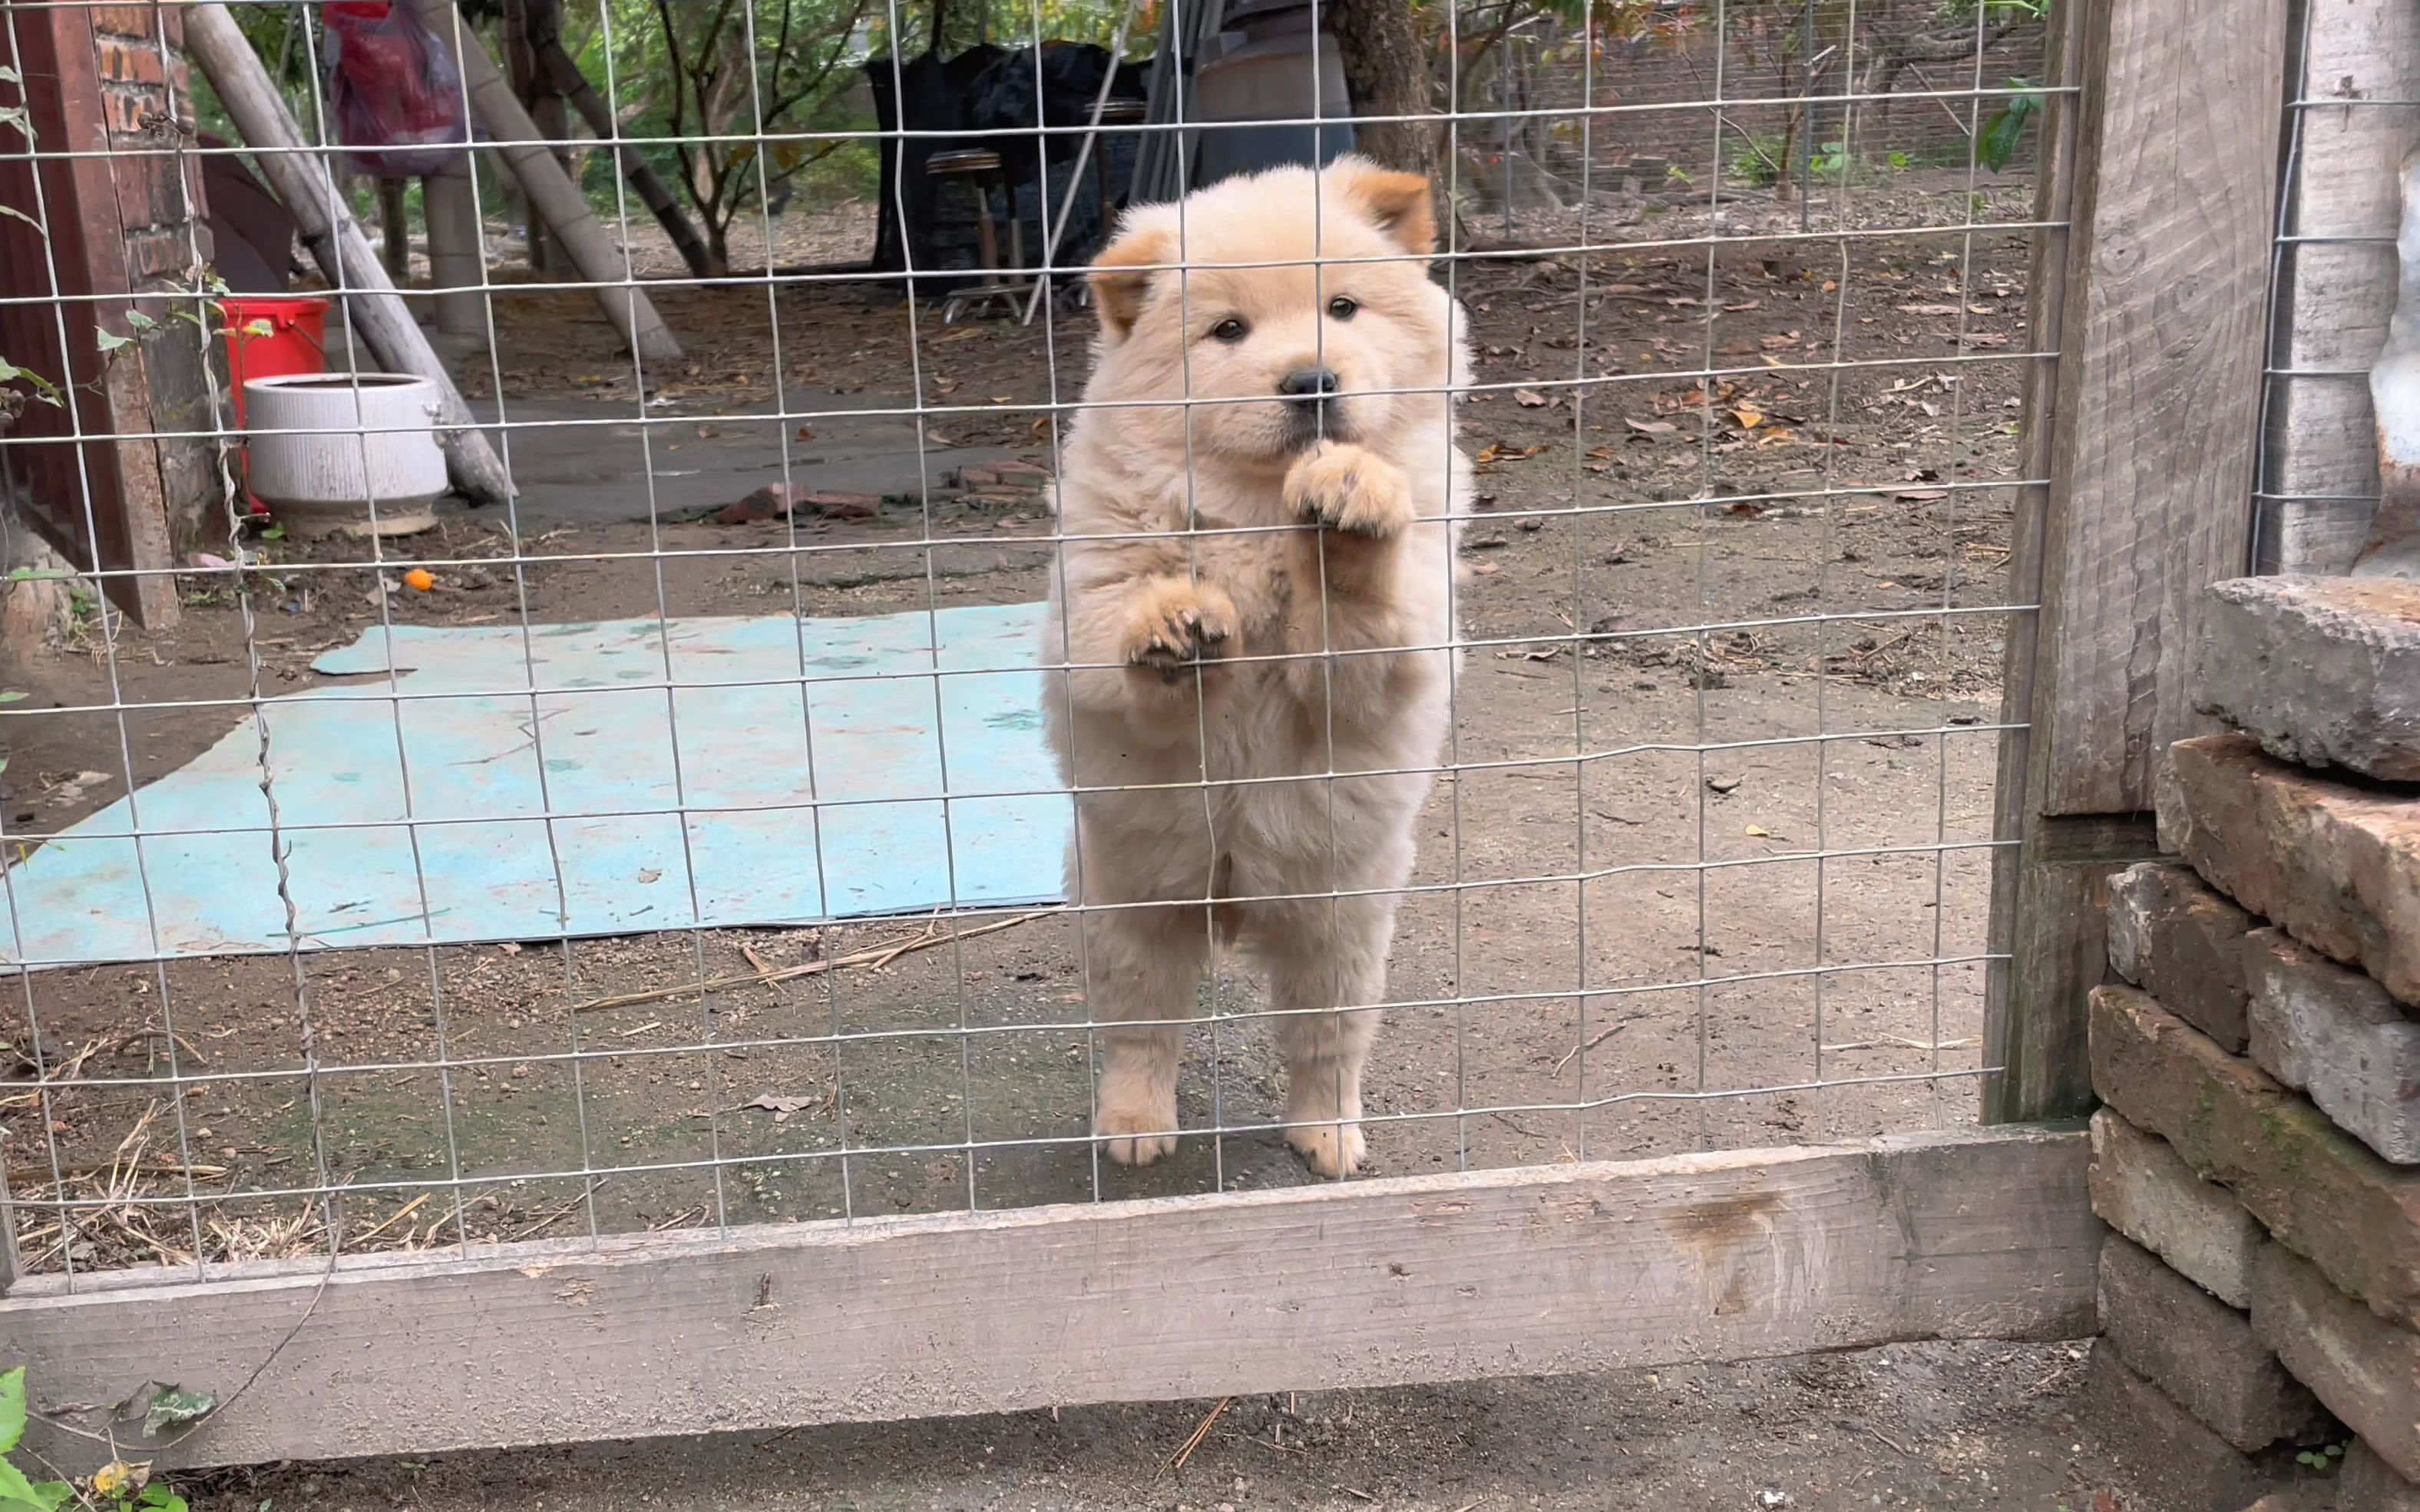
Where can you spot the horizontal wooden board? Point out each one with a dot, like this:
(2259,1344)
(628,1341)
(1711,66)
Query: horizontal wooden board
(1584,1266)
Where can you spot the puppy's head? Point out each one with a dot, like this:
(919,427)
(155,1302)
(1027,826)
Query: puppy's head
(1294,305)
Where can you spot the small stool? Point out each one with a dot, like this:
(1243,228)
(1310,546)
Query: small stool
(979,168)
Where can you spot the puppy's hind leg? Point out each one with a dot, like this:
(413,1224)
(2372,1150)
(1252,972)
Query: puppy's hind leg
(1326,962)
(1143,964)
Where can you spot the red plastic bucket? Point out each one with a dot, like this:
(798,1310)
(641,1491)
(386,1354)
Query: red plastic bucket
(272,336)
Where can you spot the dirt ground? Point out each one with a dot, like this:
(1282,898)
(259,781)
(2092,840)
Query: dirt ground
(1688,994)
(1942,1427)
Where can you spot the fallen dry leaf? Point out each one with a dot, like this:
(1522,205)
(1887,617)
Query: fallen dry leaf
(782,1108)
(1530,399)
(1651,427)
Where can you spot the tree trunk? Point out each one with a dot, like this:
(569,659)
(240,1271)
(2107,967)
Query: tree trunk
(1388,75)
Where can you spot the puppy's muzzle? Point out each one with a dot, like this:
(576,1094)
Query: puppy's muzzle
(1313,406)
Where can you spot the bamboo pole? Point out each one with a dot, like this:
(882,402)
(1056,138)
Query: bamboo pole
(574,85)
(552,196)
(457,267)
(336,243)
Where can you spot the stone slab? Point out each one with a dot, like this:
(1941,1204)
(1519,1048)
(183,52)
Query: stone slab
(2309,1182)
(2159,1445)
(2178,940)
(2335,865)
(2145,1189)
(2198,1350)
(2323,671)
(2368,1483)
(2334,1033)
(2366,1373)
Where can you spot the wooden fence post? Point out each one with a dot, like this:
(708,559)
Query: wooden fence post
(2164,164)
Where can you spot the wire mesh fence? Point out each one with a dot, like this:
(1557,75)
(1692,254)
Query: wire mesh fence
(684,841)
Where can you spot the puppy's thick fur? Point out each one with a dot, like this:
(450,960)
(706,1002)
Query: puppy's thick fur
(1237,666)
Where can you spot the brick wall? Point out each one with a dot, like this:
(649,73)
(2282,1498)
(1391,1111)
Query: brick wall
(119,223)
(2260,1151)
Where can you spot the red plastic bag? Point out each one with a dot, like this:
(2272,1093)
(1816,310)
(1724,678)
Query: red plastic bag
(395,89)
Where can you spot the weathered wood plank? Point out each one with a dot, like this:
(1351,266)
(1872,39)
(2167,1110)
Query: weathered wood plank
(2165,167)
(2335,296)
(1716,1256)
(2058,952)
(2014,799)
(2159,380)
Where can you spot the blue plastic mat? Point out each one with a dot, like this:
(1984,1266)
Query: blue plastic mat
(669,809)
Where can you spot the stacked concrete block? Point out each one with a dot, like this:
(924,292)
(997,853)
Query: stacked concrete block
(2258,1153)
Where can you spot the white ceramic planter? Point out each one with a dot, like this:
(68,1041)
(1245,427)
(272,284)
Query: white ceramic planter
(352,439)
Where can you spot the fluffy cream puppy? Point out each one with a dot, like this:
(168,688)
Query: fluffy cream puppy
(1252,607)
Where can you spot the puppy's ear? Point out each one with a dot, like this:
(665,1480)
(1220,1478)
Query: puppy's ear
(1121,274)
(1397,203)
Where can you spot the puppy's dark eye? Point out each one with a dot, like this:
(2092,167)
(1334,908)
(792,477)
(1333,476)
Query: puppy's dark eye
(1229,330)
(1341,308)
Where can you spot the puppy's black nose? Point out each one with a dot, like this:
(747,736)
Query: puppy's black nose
(1308,383)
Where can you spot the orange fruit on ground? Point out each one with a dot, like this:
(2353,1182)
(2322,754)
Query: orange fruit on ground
(420,579)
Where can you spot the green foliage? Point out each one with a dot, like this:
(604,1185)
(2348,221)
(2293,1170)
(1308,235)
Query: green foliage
(17,1492)
(116,1486)
(2324,1458)
(1755,160)
(2006,128)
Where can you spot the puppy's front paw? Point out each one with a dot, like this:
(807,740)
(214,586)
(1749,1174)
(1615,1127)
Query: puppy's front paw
(1345,488)
(1177,625)
(1329,1150)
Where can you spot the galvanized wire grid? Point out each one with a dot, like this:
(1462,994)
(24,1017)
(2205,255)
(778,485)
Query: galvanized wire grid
(2316,484)
(707,1077)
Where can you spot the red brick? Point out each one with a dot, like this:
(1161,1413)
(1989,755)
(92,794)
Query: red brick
(2366,1374)
(125,21)
(2314,1187)
(159,255)
(2368,1483)
(2182,943)
(148,193)
(2145,1189)
(124,112)
(2321,669)
(131,61)
(2198,1350)
(2335,865)
(2160,1445)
